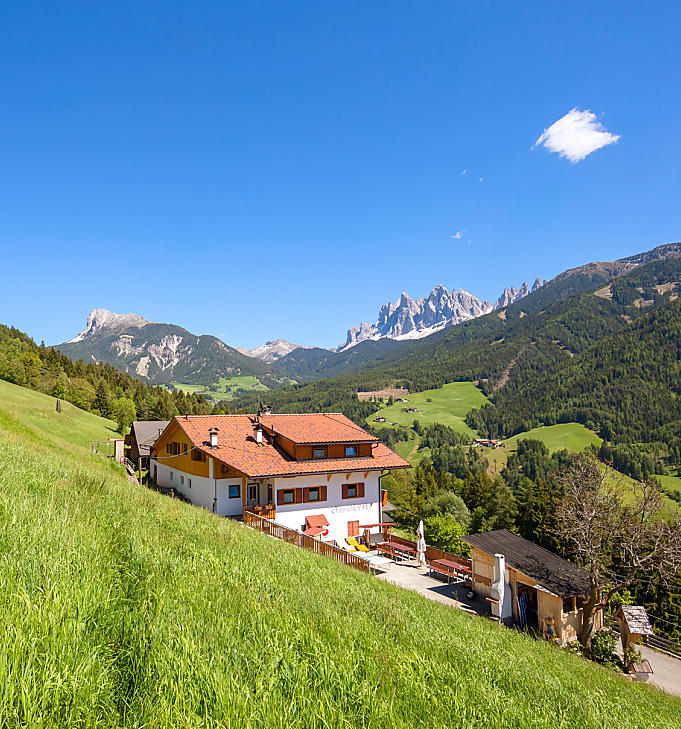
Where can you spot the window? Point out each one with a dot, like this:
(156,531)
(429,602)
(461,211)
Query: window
(353,528)
(189,482)
(185,448)
(350,450)
(289,496)
(234,491)
(319,452)
(269,495)
(198,456)
(313,493)
(171,475)
(168,448)
(173,448)
(353,490)
(181,480)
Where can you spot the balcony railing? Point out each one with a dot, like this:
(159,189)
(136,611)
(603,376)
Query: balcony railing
(268,511)
(267,526)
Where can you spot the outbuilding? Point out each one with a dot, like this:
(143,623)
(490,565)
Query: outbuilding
(529,585)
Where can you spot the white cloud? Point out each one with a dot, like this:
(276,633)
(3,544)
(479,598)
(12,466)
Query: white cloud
(576,135)
(481,179)
(458,235)
(465,172)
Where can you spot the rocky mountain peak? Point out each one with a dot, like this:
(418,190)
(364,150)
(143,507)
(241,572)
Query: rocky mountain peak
(272,350)
(101,319)
(415,318)
(511,294)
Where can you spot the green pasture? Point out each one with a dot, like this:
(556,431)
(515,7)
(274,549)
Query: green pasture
(125,608)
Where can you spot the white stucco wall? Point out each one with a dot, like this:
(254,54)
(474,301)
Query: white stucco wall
(337,510)
(199,490)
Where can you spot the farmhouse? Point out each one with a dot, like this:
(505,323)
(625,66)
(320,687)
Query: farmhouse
(529,585)
(317,473)
(142,436)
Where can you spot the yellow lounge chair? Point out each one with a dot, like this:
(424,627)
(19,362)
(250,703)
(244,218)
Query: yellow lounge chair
(358,547)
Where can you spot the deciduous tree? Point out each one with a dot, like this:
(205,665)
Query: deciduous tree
(618,542)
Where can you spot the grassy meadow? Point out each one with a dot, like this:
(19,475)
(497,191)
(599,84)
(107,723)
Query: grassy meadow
(124,608)
(225,388)
(570,436)
(447,405)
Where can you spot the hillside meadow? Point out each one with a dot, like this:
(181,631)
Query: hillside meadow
(123,608)
(448,405)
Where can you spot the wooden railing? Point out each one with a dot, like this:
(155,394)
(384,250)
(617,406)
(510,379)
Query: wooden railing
(267,526)
(269,511)
(432,553)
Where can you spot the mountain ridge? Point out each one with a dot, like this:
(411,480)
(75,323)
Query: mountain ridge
(156,352)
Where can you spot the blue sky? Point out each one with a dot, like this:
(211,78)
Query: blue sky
(264,169)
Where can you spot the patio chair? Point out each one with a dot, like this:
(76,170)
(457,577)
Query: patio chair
(356,545)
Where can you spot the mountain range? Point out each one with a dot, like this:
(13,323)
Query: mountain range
(164,353)
(417,318)
(157,353)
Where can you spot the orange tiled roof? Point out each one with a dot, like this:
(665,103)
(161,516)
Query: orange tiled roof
(307,428)
(237,447)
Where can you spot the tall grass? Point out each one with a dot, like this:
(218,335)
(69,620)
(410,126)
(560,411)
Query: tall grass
(120,607)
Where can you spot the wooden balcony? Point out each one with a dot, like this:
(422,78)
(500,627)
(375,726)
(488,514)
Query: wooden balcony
(269,511)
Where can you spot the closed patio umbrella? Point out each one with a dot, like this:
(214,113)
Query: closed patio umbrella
(421,545)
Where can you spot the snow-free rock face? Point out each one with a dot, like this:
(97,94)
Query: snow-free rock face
(100,319)
(511,294)
(271,351)
(415,318)
(158,353)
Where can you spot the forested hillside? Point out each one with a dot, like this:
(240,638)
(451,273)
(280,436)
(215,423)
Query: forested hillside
(98,388)
(608,359)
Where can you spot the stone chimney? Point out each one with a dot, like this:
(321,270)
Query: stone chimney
(213,435)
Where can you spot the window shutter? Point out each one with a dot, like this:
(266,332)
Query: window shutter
(345,491)
(306,494)
(299,496)
(280,497)
(322,493)
(360,490)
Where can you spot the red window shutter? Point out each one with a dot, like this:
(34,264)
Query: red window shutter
(345,491)
(280,497)
(322,493)
(306,494)
(299,496)
(360,490)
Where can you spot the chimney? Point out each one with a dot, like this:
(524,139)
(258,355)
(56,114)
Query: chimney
(501,590)
(213,434)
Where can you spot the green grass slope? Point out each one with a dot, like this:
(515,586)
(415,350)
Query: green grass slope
(123,608)
(570,436)
(448,405)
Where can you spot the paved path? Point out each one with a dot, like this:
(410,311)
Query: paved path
(666,668)
(413,577)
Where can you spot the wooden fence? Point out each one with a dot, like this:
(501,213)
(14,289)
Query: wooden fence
(267,526)
(432,553)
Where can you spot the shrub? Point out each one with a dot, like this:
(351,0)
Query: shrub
(603,647)
(443,532)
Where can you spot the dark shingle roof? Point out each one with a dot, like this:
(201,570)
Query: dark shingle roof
(636,619)
(552,572)
(147,432)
